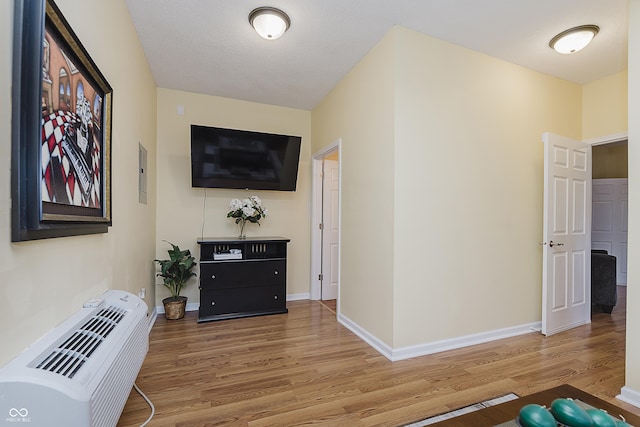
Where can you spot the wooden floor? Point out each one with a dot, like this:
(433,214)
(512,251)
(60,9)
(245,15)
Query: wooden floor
(303,369)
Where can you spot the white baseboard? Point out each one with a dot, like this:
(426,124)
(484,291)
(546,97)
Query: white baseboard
(298,297)
(464,341)
(395,354)
(629,396)
(365,336)
(153,316)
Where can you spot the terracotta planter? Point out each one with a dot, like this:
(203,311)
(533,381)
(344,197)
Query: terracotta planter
(174,307)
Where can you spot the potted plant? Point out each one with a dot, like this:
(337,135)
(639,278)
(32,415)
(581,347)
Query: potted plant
(175,272)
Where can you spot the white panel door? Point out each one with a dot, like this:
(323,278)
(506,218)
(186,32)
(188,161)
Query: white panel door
(566,265)
(609,221)
(330,227)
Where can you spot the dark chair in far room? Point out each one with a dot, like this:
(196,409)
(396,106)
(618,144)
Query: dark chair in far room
(603,280)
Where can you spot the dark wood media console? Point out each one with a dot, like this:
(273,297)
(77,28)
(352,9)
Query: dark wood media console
(252,282)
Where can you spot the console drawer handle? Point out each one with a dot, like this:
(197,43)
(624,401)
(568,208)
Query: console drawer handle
(213,276)
(275,272)
(213,303)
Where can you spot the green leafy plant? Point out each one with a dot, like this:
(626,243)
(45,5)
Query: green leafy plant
(176,270)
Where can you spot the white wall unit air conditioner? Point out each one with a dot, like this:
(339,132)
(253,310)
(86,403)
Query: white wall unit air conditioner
(80,373)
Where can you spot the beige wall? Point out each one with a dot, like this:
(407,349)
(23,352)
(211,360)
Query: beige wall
(360,111)
(183,216)
(468,188)
(44,281)
(633,276)
(457,213)
(604,106)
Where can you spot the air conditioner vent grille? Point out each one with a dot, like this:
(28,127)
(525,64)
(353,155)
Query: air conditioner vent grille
(68,357)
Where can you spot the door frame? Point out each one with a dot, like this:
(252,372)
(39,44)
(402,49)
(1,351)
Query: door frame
(316,217)
(608,139)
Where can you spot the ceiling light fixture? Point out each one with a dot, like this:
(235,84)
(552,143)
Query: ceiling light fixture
(269,22)
(574,39)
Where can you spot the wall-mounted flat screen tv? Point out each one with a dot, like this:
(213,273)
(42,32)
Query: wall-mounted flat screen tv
(231,158)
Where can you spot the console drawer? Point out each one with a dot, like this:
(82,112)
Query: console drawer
(231,274)
(255,300)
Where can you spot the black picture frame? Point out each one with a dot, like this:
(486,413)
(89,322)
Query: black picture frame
(61,130)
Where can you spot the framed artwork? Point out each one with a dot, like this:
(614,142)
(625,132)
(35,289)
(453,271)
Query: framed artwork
(61,129)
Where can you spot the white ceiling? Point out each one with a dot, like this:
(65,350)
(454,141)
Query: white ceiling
(208,46)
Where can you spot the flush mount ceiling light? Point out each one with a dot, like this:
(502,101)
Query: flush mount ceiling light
(574,39)
(269,22)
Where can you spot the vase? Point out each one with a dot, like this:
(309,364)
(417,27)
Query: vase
(241,224)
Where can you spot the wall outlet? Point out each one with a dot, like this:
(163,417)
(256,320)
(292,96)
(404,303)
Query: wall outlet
(142,293)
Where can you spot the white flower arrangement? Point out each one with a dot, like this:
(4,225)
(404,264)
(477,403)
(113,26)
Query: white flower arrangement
(250,209)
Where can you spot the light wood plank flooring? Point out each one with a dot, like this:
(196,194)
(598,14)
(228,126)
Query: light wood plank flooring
(303,369)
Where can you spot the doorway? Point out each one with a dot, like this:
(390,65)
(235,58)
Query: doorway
(610,203)
(325,239)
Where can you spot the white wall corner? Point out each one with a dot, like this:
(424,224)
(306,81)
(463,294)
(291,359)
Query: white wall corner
(364,335)
(629,396)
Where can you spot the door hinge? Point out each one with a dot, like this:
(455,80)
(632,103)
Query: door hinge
(320,276)
(321,226)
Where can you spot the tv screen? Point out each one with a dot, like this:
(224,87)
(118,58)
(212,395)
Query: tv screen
(231,158)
